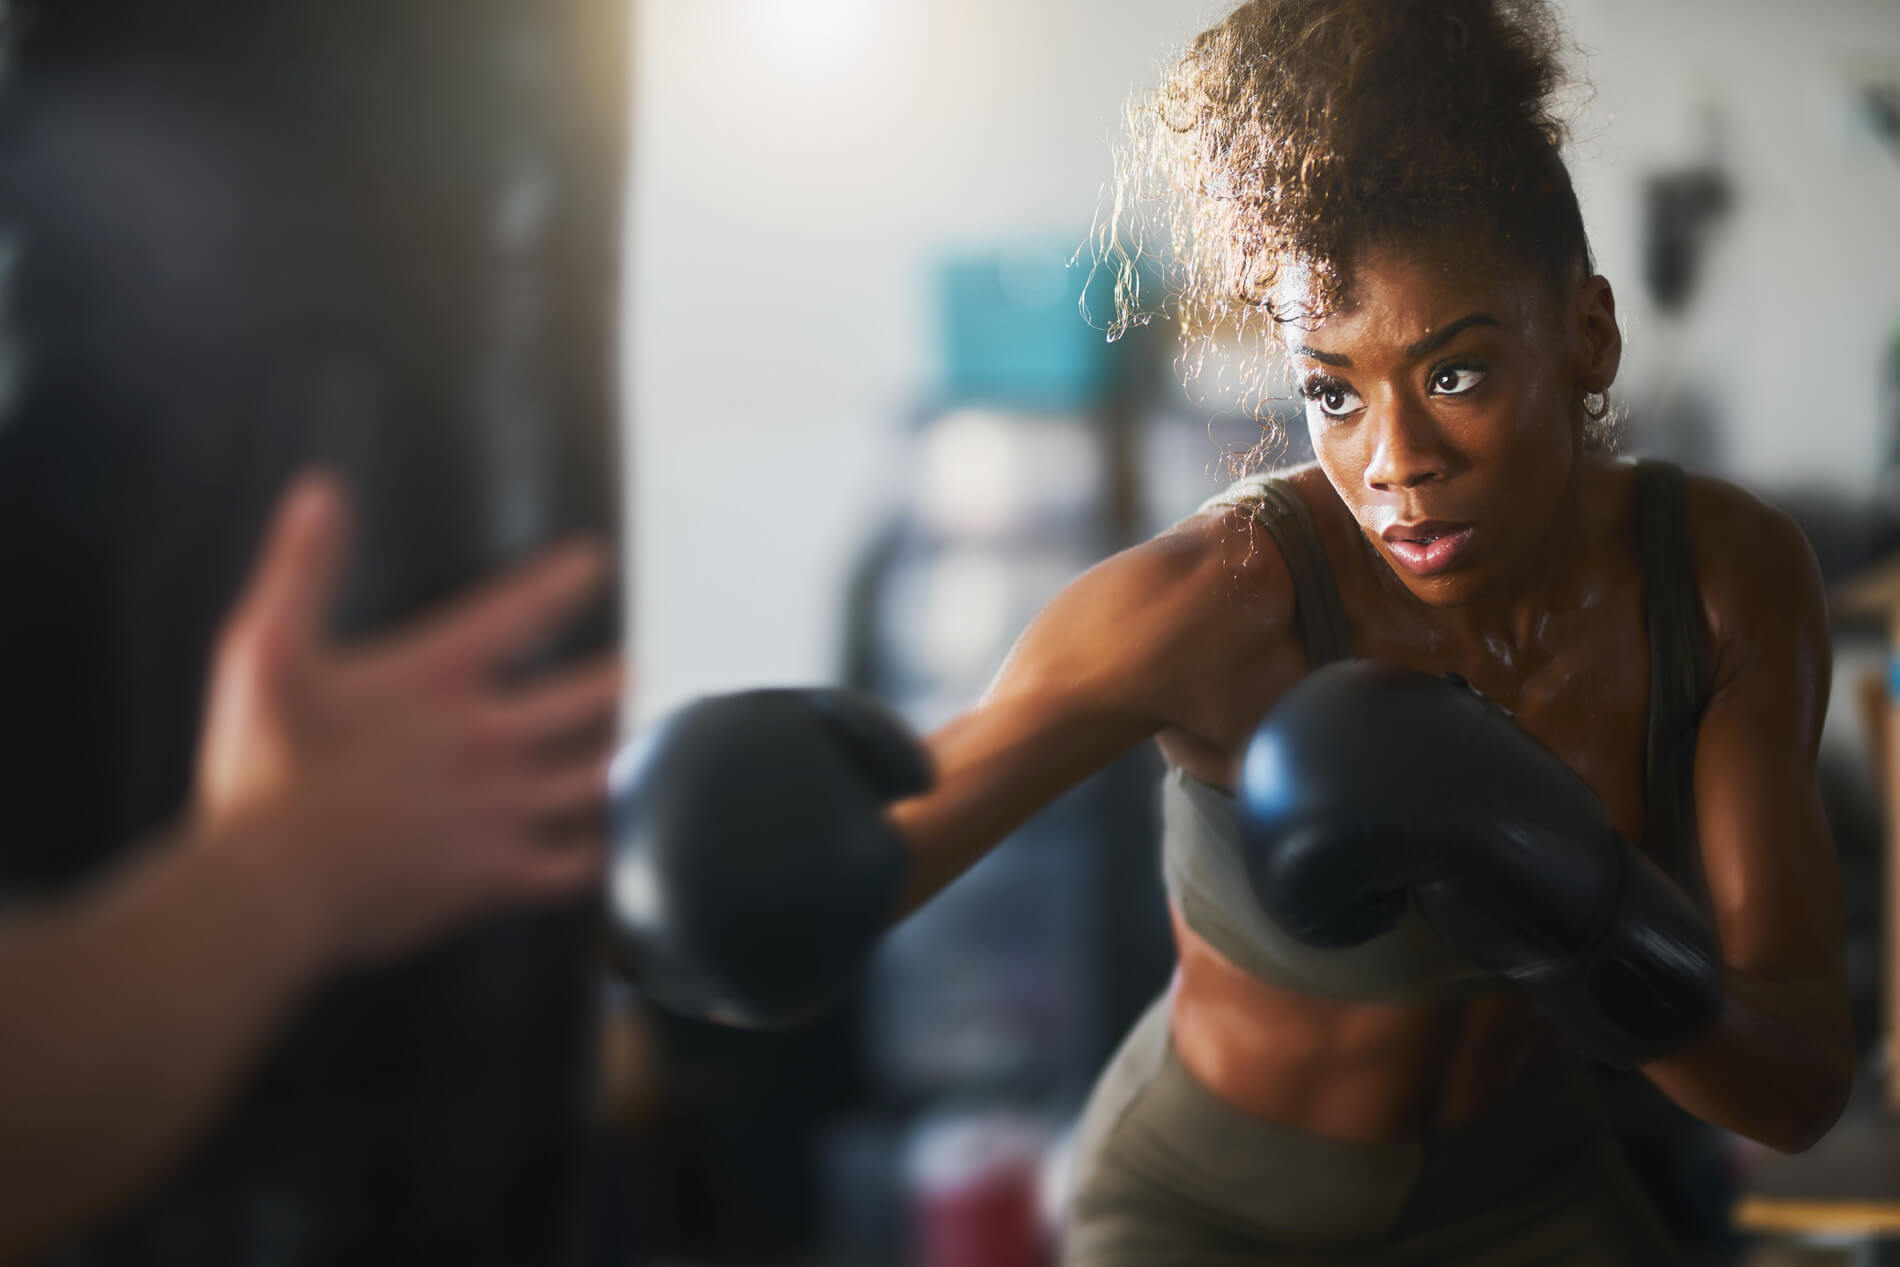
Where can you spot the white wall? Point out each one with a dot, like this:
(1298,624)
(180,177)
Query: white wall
(1802,285)
(784,214)
(798,161)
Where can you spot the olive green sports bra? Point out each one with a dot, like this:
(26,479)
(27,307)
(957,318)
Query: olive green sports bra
(1201,862)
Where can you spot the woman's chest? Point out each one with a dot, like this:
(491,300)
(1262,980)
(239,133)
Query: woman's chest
(1583,691)
(1585,696)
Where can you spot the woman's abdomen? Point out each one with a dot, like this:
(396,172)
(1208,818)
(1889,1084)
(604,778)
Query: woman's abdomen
(1349,1069)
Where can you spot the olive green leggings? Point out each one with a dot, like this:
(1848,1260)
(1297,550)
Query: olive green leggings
(1169,1175)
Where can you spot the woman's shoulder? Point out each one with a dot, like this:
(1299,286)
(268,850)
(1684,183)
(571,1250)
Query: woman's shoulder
(1233,615)
(1197,597)
(1756,574)
(1227,548)
(1250,493)
(1165,629)
(1739,544)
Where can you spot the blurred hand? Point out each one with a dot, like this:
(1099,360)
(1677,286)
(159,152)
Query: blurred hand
(402,788)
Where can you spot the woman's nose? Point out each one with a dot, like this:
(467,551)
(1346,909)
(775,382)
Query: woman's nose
(1406,449)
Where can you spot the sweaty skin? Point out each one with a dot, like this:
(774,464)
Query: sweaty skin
(1189,639)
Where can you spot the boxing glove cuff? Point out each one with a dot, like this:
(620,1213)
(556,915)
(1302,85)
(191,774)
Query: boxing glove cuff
(1651,982)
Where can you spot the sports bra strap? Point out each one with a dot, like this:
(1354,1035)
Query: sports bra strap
(1678,676)
(1324,628)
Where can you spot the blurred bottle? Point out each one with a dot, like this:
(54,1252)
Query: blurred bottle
(975,1192)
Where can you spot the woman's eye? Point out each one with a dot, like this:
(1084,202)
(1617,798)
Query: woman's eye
(1452,380)
(1333,399)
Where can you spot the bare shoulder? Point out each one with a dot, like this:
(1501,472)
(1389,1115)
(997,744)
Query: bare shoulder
(1149,624)
(1244,583)
(1236,647)
(1760,584)
(1338,533)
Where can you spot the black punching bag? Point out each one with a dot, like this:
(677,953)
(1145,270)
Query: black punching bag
(238,237)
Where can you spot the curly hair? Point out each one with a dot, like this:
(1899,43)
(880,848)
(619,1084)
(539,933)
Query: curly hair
(1295,132)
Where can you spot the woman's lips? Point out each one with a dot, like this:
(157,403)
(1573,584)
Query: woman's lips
(1426,548)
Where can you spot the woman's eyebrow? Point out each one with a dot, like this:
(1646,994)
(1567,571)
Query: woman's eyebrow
(1324,358)
(1439,338)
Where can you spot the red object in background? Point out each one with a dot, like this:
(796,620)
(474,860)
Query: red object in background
(975,1197)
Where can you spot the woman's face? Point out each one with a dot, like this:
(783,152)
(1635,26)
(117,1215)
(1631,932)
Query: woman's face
(1443,400)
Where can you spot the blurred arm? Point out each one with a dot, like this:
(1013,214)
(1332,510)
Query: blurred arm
(128,1013)
(350,806)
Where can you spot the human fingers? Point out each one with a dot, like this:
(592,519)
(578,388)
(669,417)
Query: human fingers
(576,790)
(548,873)
(294,580)
(574,700)
(506,613)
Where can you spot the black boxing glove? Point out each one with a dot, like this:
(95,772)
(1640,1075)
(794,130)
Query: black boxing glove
(753,869)
(1369,786)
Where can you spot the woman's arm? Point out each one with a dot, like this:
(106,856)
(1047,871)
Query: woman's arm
(743,818)
(1778,1063)
(1161,635)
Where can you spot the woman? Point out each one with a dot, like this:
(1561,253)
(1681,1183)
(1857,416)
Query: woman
(1376,186)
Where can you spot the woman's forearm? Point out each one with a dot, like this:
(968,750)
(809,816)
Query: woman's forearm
(129,1013)
(1776,1066)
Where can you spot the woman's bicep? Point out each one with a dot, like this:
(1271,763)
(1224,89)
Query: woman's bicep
(1767,851)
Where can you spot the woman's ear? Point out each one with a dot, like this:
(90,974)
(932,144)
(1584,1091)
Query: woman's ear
(1599,340)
